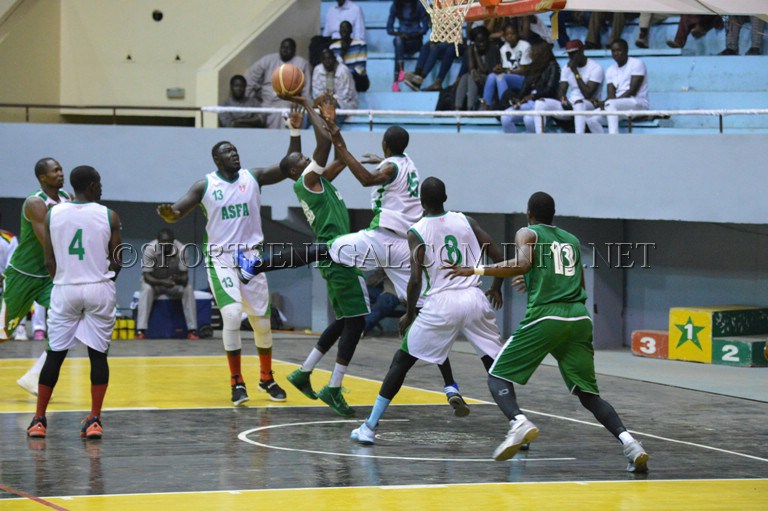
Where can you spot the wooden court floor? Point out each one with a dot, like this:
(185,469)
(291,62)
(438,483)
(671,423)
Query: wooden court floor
(173,441)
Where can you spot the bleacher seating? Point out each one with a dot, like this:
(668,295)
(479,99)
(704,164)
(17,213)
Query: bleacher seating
(689,78)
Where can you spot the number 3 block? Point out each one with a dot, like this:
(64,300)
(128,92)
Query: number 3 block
(650,343)
(744,351)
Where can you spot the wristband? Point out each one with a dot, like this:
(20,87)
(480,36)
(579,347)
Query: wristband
(479,270)
(578,76)
(313,167)
(295,132)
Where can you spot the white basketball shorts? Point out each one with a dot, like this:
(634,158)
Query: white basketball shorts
(84,313)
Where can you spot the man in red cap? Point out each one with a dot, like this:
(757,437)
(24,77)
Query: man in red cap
(581,80)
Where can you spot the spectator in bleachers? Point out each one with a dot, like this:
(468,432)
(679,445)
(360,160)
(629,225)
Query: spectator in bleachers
(496,28)
(344,10)
(430,54)
(568,18)
(696,25)
(353,53)
(533,30)
(541,81)
(732,35)
(237,97)
(644,24)
(331,78)
(259,78)
(626,83)
(482,56)
(583,77)
(515,56)
(596,22)
(413,23)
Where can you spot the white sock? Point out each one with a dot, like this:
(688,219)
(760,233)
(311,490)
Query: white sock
(312,359)
(338,374)
(35,369)
(625,437)
(451,389)
(519,417)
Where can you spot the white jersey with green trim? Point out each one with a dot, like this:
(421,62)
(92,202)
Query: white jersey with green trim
(80,234)
(447,237)
(396,204)
(233,210)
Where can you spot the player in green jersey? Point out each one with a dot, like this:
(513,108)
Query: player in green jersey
(26,279)
(557,322)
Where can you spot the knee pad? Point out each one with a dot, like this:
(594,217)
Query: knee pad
(262,331)
(231,317)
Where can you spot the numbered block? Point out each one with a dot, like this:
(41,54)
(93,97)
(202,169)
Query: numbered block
(742,351)
(650,343)
(691,329)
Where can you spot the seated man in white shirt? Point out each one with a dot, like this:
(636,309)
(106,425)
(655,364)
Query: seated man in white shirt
(331,78)
(164,272)
(582,79)
(627,84)
(345,10)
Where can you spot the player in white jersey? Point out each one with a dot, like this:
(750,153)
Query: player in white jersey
(451,307)
(231,200)
(396,206)
(81,255)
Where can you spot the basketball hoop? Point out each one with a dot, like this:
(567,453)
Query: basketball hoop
(447,20)
(448,16)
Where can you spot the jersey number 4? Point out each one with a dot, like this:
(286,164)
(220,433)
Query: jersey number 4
(76,245)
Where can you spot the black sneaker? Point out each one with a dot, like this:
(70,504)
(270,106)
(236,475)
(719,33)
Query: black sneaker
(460,408)
(273,389)
(239,394)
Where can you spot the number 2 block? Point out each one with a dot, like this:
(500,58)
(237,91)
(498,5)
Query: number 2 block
(650,343)
(743,351)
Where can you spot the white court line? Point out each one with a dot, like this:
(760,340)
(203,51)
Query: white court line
(244,437)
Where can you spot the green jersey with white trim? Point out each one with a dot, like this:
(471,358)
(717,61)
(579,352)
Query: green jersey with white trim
(556,273)
(396,204)
(325,210)
(28,258)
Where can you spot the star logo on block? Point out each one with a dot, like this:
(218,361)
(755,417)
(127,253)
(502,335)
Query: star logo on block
(690,332)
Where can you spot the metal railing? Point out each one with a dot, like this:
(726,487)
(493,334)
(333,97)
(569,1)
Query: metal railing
(371,115)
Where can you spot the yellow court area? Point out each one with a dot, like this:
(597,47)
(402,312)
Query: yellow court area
(701,495)
(182,382)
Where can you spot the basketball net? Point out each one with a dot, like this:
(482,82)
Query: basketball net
(447,20)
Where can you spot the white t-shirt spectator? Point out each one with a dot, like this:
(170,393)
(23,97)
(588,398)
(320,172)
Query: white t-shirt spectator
(513,58)
(340,84)
(590,72)
(349,11)
(621,77)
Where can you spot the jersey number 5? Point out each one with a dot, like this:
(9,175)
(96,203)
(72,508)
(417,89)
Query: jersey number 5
(76,245)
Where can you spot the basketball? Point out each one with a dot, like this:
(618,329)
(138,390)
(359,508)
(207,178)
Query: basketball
(288,80)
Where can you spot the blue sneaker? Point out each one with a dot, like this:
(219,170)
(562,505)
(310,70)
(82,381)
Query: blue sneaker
(247,267)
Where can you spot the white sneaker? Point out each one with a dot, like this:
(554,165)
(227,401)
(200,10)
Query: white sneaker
(636,456)
(20,334)
(364,434)
(522,432)
(28,382)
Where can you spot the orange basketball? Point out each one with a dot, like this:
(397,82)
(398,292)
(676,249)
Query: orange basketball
(288,80)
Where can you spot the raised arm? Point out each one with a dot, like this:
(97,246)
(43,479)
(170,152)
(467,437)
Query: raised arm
(494,252)
(115,240)
(416,248)
(272,174)
(172,213)
(366,178)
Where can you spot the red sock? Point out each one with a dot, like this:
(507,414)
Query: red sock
(43,397)
(265,361)
(97,399)
(233,359)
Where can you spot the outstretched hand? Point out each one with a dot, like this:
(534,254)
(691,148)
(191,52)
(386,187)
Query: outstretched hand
(327,106)
(457,271)
(371,158)
(168,214)
(295,117)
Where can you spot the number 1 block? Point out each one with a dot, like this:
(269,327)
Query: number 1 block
(744,351)
(650,343)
